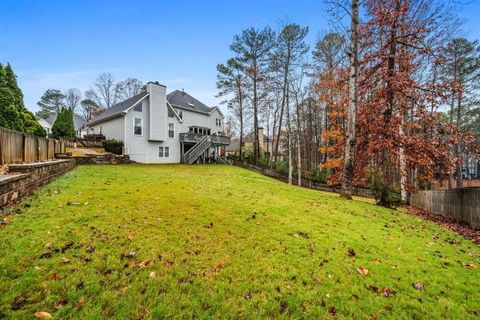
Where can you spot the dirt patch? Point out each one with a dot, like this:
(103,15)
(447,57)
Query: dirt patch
(84,151)
(464,230)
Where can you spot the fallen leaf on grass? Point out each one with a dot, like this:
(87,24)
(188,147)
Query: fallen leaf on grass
(318,279)
(387,292)
(65,260)
(376,261)
(130,237)
(43,315)
(362,271)
(144,263)
(7,218)
(80,302)
(470,266)
(332,310)
(152,274)
(67,246)
(418,286)
(46,254)
(53,276)
(48,245)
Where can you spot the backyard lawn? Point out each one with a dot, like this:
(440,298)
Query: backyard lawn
(220,242)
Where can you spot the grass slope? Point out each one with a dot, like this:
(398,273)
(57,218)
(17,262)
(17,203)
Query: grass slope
(224,242)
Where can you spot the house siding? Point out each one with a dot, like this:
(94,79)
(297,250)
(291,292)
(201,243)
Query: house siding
(112,129)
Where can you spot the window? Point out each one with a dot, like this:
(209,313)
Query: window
(137,126)
(180,114)
(138,107)
(163,152)
(100,129)
(170,113)
(218,122)
(171,130)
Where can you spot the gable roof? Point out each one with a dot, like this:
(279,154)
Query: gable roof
(78,121)
(177,98)
(183,100)
(117,109)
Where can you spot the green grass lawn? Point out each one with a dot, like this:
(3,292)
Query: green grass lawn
(220,242)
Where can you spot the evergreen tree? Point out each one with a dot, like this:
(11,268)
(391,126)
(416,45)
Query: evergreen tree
(11,82)
(32,126)
(51,102)
(11,101)
(63,126)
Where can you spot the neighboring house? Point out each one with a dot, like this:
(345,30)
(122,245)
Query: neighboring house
(160,128)
(45,125)
(266,144)
(79,123)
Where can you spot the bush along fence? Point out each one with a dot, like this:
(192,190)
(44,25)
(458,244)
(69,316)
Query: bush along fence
(462,205)
(306,183)
(16,147)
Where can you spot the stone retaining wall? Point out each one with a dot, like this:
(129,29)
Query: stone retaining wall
(25,178)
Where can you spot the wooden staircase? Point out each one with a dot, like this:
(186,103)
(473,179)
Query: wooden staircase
(197,150)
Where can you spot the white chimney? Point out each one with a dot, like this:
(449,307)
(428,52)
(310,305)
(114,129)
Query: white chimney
(158,111)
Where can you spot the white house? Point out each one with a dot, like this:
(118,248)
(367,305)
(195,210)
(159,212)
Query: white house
(45,125)
(79,123)
(160,128)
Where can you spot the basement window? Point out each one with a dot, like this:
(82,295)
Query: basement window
(163,152)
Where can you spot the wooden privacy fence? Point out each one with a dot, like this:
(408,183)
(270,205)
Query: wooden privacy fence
(459,204)
(19,147)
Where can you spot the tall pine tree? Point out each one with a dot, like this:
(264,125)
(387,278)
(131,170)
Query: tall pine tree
(63,126)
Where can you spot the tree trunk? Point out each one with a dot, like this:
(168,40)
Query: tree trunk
(349,161)
(459,146)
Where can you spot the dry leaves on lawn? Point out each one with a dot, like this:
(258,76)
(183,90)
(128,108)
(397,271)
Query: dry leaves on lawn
(43,315)
(362,271)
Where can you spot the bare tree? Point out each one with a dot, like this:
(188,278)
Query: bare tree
(73,96)
(128,88)
(103,90)
(89,108)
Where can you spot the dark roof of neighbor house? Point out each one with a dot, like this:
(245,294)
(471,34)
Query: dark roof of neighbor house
(233,146)
(183,100)
(78,121)
(119,108)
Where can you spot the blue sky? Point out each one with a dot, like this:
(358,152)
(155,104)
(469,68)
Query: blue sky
(63,44)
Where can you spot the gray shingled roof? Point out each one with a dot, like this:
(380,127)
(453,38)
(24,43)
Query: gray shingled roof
(177,98)
(118,108)
(78,121)
(183,100)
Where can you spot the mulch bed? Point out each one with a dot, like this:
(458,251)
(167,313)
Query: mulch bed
(462,229)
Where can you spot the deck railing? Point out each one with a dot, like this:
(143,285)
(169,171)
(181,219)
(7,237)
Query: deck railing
(191,137)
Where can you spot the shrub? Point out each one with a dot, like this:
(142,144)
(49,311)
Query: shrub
(281,167)
(113,146)
(385,195)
